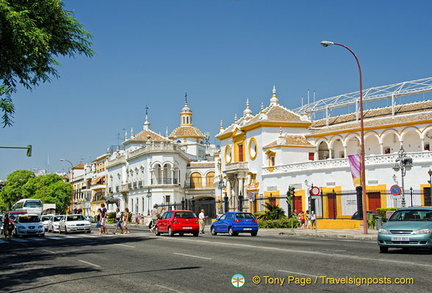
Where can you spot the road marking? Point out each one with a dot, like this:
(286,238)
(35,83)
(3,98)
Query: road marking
(48,251)
(89,263)
(167,288)
(297,273)
(354,257)
(125,245)
(189,255)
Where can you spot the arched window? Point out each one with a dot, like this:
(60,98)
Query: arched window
(210,179)
(196,180)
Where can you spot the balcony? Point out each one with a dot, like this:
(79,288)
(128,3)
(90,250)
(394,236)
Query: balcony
(237,167)
(164,181)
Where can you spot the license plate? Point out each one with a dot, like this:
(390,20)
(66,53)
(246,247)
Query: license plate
(187,227)
(400,238)
(247,229)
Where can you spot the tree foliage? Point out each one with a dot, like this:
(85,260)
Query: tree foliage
(49,188)
(272,212)
(32,34)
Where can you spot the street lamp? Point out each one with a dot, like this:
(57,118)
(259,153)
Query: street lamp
(403,163)
(64,160)
(221,186)
(362,138)
(149,194)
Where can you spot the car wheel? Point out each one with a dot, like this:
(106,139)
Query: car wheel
(254,233)
(170,232)
(66,231)
(383,249)
(156,231)
(212,231)
(231,232)
(195,234)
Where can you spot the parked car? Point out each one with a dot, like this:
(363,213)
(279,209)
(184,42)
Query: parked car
(28,224)
(45,220)
(54,223)
(407,228)
(90,219)
(234,223)
(177,221)
(74,223)
(357,216)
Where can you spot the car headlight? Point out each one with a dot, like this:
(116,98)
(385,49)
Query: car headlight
(40,226)
(20,227)
(383,231)
(422,231)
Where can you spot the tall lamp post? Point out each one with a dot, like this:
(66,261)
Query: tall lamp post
(149,194)
(64,160)
(403,163)
(362,148)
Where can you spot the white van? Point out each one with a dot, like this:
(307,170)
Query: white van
(29,205)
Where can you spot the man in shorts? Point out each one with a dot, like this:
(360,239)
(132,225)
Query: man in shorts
(104,219)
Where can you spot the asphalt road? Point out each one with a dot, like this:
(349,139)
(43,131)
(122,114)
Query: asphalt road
(142,262)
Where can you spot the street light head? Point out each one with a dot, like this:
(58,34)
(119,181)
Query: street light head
(62,160)
(396,167)
(326,43)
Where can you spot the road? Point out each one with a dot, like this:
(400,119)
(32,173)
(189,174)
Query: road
(142,262)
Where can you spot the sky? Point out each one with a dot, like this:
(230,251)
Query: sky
(221,52)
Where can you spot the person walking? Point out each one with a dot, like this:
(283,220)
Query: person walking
(104,219)
(313,220)
(99,221)
(154,217)
(125,221)
(202,218)
(119,220)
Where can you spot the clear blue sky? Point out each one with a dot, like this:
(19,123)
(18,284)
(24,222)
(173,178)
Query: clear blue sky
(220,52)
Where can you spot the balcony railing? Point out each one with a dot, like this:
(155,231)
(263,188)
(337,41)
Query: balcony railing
(164,181)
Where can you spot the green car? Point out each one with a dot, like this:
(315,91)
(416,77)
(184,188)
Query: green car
(407,228)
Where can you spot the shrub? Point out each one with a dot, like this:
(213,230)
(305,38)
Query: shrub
(382,212)
(272,212)
(279,223)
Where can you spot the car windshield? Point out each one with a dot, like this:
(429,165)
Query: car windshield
(33,204)
(185,215)
(245,216)
(75,218)
(412,215)
(57,218)
(29,219)
(46,218)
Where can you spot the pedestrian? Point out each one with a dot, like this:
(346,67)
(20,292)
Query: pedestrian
(307,218)
(8,227)
(119,220)
(99,221)
(313,220)
(301,218)
(104,219)
(295,215)
(125,221)
(202,218)
(154,217)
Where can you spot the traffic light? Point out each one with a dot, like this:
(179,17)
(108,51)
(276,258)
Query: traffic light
(29,150)
(291,191)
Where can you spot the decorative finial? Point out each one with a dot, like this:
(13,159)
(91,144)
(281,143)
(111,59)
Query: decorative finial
(274,100)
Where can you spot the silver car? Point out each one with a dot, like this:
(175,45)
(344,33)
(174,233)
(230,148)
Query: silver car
(74,223)
(54,223)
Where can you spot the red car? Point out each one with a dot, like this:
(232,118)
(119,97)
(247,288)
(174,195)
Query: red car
(177,221)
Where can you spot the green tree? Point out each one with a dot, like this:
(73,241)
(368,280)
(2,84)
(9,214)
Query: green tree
(50,189)
(272,212)
(13,187)
(32,33)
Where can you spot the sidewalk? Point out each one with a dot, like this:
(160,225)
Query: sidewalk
(327,233)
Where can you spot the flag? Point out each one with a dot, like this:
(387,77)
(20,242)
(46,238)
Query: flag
(355,165)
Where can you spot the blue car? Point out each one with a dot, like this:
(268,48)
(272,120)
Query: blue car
(234,223)
(407,228)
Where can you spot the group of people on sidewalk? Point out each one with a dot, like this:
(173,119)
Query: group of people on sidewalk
(307,220)
(121,220)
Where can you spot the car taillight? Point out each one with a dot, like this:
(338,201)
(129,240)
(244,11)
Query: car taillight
(237,221)
(255,220)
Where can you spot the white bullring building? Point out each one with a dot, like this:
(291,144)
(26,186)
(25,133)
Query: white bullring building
(263,154)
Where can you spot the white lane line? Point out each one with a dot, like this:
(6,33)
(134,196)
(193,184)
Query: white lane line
(353,257)
(297,273)
(89,263)
(50,251)
(167,288)
(189,255)
(125,245)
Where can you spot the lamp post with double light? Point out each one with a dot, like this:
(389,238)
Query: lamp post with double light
(403,163)
(362,138)
(430,184)
(149,194)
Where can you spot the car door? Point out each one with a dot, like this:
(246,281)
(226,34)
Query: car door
(217,225)
(163,222)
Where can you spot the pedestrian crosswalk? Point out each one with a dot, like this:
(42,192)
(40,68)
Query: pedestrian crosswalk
(61,237)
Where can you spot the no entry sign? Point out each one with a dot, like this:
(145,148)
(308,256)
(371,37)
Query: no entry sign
(315,190)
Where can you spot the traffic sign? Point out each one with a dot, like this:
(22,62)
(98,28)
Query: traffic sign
(395,189)
(315,190)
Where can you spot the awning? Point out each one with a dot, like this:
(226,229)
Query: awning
(98,180)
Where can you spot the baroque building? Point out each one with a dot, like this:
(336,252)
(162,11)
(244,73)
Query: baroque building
(175,171)
(265,154)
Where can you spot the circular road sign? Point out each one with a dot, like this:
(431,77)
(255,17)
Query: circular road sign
(315,190)
(395,189)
